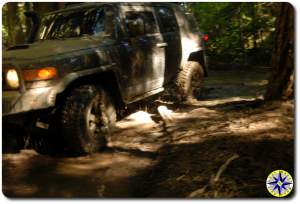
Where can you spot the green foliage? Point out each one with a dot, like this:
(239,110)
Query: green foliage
(239,32)
(15,26)
(4,25)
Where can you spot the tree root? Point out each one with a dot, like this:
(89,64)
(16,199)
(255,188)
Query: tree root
(214,179)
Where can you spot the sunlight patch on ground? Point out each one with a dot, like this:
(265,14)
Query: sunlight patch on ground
(247,125)
(21,190)
(256,83)
(17,158)
(202,112)
(138,131)
(214,102)
(189,137)
(165,113)
(102,163)
(141,117)
(141,146)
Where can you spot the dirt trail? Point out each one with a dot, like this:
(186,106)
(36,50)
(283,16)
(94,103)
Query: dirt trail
(175,150)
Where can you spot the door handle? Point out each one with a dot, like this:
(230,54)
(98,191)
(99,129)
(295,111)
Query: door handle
(162,44)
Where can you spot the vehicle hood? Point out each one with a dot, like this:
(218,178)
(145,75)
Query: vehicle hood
(47,48)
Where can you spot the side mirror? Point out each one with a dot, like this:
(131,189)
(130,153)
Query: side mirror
(136,27)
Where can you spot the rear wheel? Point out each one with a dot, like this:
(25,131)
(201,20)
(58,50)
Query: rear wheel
(87,117)
(189,80)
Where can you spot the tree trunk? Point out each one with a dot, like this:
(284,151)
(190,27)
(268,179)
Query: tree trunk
(12,8)
(281,80)
(16,34)
(27,7)
(61,5)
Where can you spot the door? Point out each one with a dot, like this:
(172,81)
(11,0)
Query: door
(171,35)
(143,51)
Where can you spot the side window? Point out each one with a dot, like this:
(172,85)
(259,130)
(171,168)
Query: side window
(104,22)
(95,20)
(148,19)
(99,23)
(167,20)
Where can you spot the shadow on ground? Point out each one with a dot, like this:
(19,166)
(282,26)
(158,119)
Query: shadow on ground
(171,150)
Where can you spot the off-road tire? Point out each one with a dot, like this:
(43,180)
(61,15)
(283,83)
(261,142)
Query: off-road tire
(184,79)
(75,119)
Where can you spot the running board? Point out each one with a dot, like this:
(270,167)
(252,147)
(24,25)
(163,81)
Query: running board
(140,97)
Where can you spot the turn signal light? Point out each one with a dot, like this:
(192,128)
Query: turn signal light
(44,73)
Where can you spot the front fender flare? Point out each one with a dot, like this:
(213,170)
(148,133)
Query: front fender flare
(15,102)
(70,78)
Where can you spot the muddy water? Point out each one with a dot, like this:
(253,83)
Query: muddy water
(171,151)
(109,174)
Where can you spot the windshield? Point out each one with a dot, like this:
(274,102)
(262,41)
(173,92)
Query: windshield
(76,24)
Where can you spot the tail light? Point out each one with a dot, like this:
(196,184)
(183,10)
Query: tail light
(205,37)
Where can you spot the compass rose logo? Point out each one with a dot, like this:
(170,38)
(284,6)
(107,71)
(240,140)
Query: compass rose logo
(279,183)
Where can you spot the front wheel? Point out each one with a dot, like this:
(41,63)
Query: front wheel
(87,117)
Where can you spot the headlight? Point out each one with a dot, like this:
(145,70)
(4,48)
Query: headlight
(12,78)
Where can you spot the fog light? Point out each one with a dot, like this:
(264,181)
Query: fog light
(12,78)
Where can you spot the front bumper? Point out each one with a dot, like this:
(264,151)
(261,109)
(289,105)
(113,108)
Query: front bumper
(14,102)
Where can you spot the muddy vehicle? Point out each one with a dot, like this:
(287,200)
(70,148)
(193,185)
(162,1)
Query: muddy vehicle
(85,62)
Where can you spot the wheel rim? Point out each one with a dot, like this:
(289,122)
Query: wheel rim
(94,119)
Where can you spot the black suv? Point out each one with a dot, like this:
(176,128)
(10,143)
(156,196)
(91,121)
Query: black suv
(88,60)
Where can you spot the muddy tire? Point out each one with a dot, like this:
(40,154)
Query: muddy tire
(87,118)
(189,80)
